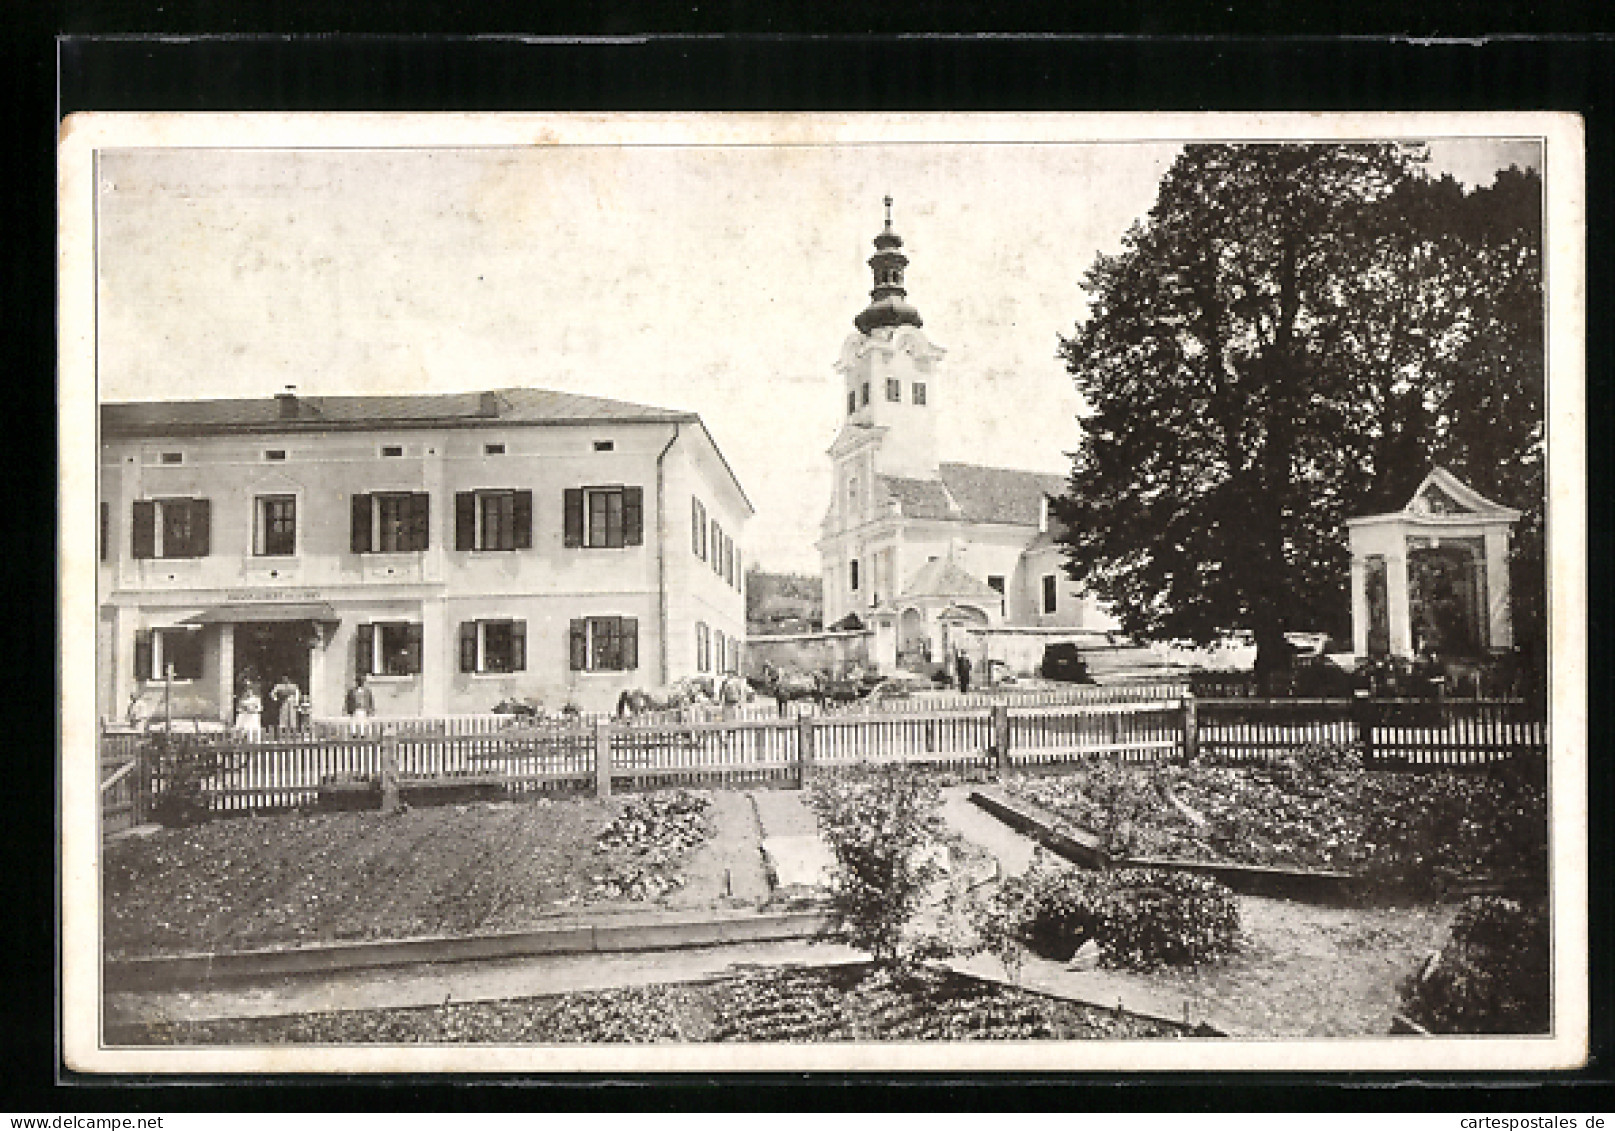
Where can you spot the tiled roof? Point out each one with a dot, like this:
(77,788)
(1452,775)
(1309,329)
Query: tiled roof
(944,577)
(966,492)
(501,406)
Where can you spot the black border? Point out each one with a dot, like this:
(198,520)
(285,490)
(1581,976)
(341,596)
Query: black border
(764,67)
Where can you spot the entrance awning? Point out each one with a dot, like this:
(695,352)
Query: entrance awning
(260,612)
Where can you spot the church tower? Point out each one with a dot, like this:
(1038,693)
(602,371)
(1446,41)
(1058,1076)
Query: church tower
(889,371)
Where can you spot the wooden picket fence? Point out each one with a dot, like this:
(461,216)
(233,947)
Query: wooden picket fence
(282,770)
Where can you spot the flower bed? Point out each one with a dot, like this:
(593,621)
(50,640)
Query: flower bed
(1322,814)
(844,1003)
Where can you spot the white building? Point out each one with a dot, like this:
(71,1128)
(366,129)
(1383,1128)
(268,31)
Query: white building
(459,549)
(933,555)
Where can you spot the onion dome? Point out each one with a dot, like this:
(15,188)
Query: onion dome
(887,305)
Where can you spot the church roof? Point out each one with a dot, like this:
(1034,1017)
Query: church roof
(966,492)
(944,577)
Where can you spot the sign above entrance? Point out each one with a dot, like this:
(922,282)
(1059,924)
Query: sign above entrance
(274,595)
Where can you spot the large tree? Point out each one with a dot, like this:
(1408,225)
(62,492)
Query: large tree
(1291,336)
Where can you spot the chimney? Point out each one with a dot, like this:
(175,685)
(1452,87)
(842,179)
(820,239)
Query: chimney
(288,403)
(490,404)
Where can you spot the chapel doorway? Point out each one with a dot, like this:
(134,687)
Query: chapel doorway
(1445,602)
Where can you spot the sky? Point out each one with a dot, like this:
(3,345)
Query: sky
(721,279)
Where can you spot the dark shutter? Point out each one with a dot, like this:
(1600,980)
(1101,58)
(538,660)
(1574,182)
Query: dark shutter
(359,532)
(696,522)
(465,523)
(633,516)
(143,531)
(106,526)
(578,645)
(364,649)
(468,646)
(572,505)
(518,645)
(201,528)
(628,628)
(143,654)
(420,521)
(412,646)
(522,519)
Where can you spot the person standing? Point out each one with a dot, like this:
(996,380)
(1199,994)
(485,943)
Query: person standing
(962,666)
(249,708)
(361,700)
(286,695)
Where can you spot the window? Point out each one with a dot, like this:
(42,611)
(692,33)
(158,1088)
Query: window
(919,392)
(703,647)
(604,517)
(852,401)
(852,574)
(995,582)
(173,457)
(391,522)
(106,529)
(493,646)
(1048,593)
(392,451)
(605,445)
(493,449)
(275,526)
(717,547)
(864,394)
(719,655)
(493,520)
(170,528)
(388,649)
(604,644)
(894,389)
(275,455)
(158,649)
(698,529)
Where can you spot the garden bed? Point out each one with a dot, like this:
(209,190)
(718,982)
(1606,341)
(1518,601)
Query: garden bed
(838,1003)
(309,878)
(1428,830)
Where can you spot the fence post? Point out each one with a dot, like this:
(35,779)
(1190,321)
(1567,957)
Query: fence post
(804,750)
(1191,728)
(1001,738)
(1362,705)
(389,768)
(602,758)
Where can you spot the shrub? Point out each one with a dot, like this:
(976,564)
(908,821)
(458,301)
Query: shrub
(1139,917)
(878,823)
(1491,977)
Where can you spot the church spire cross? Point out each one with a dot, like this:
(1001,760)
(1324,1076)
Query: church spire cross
(888,213)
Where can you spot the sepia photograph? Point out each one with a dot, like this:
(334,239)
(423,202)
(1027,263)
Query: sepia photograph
(802,591)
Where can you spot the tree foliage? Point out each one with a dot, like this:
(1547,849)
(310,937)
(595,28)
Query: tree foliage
(1294,335)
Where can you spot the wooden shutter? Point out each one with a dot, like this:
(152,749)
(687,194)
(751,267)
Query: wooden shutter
(578,645)
(143,530)
(633,516)
(696,523)
(201,528)
(106,525)
(143,653)
(364,649)
(572,506)
(420,521)
(518,645)
(628,633)
(468,646)
(359,530)
(465,524)
(522,520)
(412,646)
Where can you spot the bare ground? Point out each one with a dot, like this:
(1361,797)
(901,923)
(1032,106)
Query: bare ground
(306,878)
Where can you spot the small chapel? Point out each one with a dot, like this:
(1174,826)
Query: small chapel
(933,557)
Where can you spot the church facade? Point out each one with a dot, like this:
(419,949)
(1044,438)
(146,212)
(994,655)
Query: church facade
(933,556)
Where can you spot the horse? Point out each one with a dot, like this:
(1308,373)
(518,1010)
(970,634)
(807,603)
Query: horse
(787,686)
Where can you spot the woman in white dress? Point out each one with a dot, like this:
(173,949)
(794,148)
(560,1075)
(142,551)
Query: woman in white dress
(250,709)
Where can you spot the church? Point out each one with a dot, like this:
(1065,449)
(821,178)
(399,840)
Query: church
(930,556)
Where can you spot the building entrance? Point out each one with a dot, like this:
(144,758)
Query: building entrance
(268,651)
